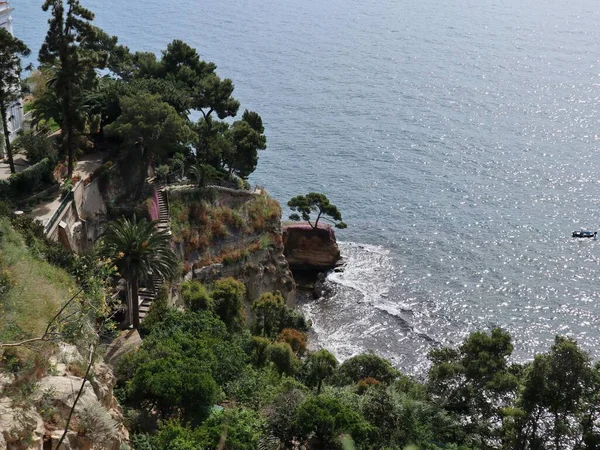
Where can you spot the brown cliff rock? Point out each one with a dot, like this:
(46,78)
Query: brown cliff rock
(307,248)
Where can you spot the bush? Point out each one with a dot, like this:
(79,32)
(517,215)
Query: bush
(96,423)
(24,183)
(281,416)
(273,315)
(196,296)
(37,147)
(158,311)
(177,166)
(228,295)
(295,338)
(282,356)
(254,388)
(238,428)
(367,365)
(162,173)
(66,188)
(327,417)
(174,383)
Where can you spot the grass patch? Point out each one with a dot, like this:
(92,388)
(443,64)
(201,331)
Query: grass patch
(34,289)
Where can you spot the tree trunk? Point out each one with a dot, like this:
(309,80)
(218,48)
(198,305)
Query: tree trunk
(319,386)
(9,154)
(69,126)
(135,303)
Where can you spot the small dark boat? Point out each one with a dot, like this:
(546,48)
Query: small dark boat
(584,234)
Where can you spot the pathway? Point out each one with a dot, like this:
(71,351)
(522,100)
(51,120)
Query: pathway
(20,165)
(148,295)
(84,167)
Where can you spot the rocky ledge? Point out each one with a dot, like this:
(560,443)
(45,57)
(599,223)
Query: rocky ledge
(310,249)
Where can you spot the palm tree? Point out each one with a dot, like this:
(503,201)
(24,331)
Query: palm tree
(139,250)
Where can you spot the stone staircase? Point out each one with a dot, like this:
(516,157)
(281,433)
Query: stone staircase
(148,294)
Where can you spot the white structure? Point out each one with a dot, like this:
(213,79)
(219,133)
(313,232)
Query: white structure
(16,110)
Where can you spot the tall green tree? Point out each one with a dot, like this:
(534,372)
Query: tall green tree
(11,50)
(74,48)
(476,381)
(270,309)
(319,366)
(154,124)
(247,137)
(228,295)
(139,250)
(555,399)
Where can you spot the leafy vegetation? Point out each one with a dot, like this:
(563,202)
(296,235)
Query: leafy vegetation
(473,398)
(138,250)
(11,50)
(315,203)
(200,225)
(26,182)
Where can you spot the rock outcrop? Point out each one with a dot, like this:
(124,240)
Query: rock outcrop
(38,421)
(310,249)
(127,342)
(263,271)
(21,427)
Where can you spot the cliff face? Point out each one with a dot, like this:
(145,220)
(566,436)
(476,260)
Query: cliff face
(37,421)
(229,233)
(80,223)
(262,271)
(310,249)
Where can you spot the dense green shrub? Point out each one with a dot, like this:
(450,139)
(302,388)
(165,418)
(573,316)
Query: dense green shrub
(281,415)
(26,182)
(229,429)
(158,311)
(196,297)
(367,365)
(162,173)
(326,418)
(283,358)
(66,188)
(37,146)
(174,382)
(228,295)
(255,387)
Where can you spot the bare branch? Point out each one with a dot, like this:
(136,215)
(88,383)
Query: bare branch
(47,333)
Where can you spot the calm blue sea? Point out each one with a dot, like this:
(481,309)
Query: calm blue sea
(459,138)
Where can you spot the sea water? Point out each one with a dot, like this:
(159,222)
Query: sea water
(458,138)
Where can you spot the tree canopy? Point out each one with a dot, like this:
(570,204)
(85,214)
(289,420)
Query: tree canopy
(152,123)
(74,48)
(315,202)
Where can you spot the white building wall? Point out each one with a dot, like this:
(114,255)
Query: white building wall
(16,110)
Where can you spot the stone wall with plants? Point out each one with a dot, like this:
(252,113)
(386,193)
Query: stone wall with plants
(224,232)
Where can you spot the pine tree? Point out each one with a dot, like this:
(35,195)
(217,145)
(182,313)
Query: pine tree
(74,48)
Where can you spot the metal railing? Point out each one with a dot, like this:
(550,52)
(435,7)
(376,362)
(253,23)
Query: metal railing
(61,208)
